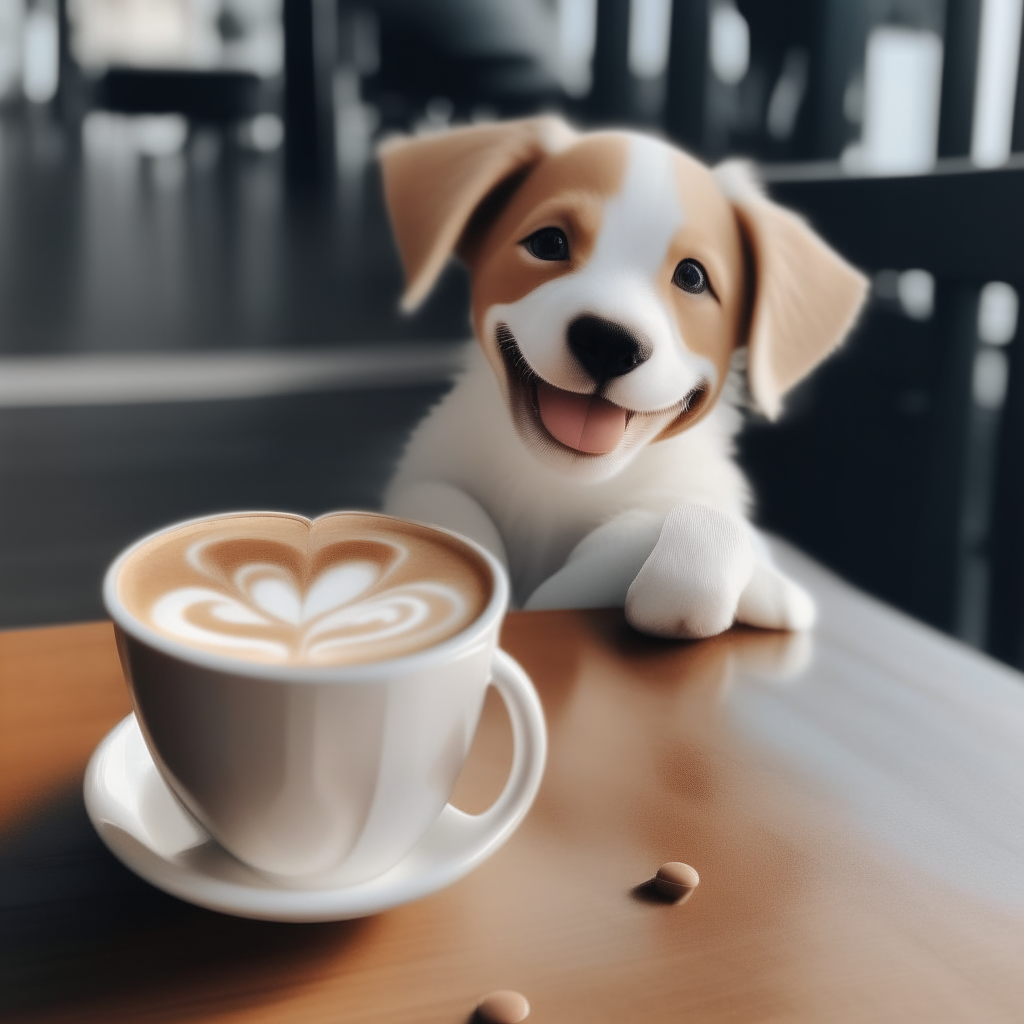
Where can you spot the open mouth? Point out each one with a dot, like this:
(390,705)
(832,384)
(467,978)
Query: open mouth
(586,424)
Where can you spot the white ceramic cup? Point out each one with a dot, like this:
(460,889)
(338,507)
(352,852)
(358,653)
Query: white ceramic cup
(331,775)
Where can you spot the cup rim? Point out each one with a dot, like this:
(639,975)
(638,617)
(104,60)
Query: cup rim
(446,651)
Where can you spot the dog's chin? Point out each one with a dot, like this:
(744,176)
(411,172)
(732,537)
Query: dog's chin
(599,452)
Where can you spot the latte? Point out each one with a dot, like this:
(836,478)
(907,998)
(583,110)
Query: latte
(348,588)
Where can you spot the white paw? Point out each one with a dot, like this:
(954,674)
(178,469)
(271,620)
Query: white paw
(773,601)
(690,585)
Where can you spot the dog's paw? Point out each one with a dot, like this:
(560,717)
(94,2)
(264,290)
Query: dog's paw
(772,600)
(690,585)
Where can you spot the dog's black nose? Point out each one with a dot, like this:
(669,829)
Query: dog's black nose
(604,348)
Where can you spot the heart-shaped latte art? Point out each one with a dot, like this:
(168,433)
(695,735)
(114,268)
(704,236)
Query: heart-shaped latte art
(356,598)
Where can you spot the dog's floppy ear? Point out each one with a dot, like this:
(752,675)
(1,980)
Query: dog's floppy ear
(805,296)
(434,183)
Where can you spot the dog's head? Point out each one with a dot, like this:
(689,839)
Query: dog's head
(613,277)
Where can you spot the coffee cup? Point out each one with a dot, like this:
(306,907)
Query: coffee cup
(309,690)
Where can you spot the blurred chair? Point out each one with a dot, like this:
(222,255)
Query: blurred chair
(460,59)
(202,96)
(900,464)
(895,465)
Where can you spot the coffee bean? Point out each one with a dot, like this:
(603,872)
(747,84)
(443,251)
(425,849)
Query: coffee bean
(503,1007)
(675,881)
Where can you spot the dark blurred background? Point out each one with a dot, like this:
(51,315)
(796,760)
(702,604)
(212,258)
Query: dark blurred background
(198,288)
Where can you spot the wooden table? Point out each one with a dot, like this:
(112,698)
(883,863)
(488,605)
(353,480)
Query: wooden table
(853,801)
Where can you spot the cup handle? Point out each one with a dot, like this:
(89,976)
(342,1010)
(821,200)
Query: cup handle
(457,842)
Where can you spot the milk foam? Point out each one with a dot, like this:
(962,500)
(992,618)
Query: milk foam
(380,594)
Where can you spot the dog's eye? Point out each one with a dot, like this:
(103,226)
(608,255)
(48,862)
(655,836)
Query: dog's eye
(548,244)
(691,277)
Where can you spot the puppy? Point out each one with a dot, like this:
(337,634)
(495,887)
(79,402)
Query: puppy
(616,283)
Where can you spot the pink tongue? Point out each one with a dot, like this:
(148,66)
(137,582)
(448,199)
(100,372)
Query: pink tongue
(583,422)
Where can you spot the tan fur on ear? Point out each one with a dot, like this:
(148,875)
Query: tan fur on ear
(805,296)
(434,183)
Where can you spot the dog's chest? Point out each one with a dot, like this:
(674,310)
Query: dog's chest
(469,441)
(542,524)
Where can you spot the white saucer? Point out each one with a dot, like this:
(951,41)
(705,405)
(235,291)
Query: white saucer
(146,828)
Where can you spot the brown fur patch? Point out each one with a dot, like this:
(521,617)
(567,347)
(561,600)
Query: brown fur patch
(567,191)
(433,185)
(713,323)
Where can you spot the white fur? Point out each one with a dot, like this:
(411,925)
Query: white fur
(691,583)
(660,528)
(469,443)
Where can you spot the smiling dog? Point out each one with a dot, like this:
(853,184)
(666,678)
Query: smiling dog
(618,286)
